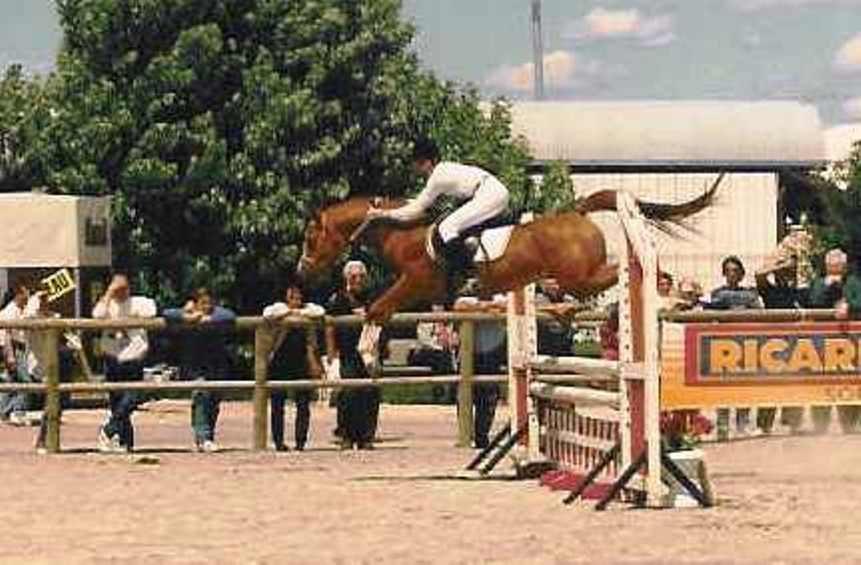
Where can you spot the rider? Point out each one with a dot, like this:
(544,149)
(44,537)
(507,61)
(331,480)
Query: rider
(486,198)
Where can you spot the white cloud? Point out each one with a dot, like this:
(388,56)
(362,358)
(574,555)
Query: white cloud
(852,107)
(848,57)
(601,23)
(560,70)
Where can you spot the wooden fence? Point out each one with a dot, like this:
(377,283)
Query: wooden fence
(261,387)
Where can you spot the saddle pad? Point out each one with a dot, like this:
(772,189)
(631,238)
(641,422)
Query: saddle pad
(495,242)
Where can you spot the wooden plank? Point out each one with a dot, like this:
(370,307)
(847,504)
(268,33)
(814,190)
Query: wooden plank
(575,395)
(580,365)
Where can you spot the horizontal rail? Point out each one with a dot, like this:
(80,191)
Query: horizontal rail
(575,395)
(779,315)
(180,386)
(579,365)
(587,319)
(572,379)
(251,322)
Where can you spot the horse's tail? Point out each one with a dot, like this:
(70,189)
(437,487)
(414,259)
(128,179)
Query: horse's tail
(659,214)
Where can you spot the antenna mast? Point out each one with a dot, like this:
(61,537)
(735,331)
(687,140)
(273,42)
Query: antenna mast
(537,49)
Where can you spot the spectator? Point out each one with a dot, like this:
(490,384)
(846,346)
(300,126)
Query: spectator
(36,354)
(205,356)
(776,284)
(124,353)
(733,296)
(294,356)
(358,408)
(838,289)
(841,290)
(437,346)
(690,295)
(608,334)
(490,355)
(555,337)
(14,405)
(668,300)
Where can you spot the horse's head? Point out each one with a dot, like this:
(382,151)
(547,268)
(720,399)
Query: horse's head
(327,234)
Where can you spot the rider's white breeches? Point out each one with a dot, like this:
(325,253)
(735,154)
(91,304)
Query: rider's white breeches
(490,199)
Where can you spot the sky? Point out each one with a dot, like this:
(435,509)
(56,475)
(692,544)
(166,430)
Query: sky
(805,50)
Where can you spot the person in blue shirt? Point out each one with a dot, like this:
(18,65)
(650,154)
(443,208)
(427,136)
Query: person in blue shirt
(733,296)
(204,356)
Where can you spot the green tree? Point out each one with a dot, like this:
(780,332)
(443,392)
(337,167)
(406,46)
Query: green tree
(840,201)
(556,190)
(23,112)
(218,126)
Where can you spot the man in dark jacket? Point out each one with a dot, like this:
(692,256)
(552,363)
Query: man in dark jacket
(205,356)
(358,408)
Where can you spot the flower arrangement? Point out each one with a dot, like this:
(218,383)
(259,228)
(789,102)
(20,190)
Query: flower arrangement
(796,248)
(683,429)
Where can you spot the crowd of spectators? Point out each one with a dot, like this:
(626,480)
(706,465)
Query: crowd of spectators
(777,286)
(205,342)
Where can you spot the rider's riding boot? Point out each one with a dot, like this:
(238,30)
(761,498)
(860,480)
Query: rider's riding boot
(457,264)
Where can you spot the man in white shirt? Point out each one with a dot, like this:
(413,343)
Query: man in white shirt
(294,356)
(13,406)
(124,354)
(486,198)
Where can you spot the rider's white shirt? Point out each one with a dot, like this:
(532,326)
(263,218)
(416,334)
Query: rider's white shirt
(449,179)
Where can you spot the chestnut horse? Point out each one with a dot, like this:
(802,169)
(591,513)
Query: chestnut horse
(567,246)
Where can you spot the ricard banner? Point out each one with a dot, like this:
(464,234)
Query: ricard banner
(724,365)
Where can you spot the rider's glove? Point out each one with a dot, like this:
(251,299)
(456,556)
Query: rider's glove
(377,213)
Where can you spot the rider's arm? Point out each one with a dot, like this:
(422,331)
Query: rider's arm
(415,209)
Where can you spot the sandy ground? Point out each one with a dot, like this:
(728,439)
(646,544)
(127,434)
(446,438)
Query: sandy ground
(781,500)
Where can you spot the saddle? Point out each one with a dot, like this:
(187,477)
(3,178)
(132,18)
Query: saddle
(486,241)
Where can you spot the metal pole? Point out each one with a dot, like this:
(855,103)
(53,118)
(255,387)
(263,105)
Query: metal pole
(262,347)
(52,390)
(464,393)
(537,49)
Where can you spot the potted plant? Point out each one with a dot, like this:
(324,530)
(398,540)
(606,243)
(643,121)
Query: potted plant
(681,433)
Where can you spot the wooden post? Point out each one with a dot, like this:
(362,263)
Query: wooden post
(52,390)
(262,347)
(464,392)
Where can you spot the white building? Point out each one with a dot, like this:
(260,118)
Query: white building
(670,152)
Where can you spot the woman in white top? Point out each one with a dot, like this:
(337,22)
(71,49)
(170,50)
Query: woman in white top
(486,198)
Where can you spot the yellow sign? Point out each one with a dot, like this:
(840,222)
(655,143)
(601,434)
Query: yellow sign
(59,284)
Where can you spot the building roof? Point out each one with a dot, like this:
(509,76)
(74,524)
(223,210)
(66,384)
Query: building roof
(672,135)
(839,140)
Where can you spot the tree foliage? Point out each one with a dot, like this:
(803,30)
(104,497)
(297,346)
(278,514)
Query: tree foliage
(23,112)
(841,199)
(218,126)
(556,190)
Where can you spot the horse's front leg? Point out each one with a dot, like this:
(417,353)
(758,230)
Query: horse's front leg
(378,314)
